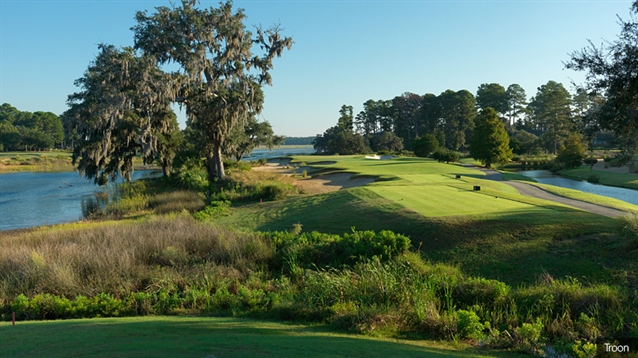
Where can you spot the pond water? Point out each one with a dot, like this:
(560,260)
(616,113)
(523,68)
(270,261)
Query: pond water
(546,177)
(33,199)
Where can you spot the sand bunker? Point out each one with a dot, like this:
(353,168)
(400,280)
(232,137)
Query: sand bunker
(317,184)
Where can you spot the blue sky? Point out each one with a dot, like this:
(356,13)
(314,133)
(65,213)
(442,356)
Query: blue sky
(345,52)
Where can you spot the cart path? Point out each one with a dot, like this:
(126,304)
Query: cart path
(536,192)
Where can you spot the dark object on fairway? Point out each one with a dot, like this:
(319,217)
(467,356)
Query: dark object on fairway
(458,176)
(477,187)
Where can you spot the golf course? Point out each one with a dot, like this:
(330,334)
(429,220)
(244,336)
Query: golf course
(389,250)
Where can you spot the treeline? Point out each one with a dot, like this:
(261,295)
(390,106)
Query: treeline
(29,131)
(298,140)
(542,123)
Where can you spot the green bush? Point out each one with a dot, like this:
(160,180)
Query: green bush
(469,325)
(214,210)
(445,155)
(193,175)
(481,291)
(326,250)
(594,179)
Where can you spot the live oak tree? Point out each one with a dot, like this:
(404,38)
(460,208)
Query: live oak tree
(220,78)
(121,111)
(612,71)
(243,140)
(490,142)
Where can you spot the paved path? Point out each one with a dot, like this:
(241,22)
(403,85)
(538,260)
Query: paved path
(536,192)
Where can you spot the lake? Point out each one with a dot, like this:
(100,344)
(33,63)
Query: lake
(33,199)
(546,177)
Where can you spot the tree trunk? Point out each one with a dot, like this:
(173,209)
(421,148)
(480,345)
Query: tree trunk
(219,163)
(215,163)
(165,168)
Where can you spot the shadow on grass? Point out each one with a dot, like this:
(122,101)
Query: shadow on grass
(515,247)
(200,337)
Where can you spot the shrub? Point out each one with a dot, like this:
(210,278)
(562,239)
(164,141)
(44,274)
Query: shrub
(481,291)
(214,210)
(445,155)
(424,146)
(594,179)
(193,175)
(469,325)
(591,161)
(530,334)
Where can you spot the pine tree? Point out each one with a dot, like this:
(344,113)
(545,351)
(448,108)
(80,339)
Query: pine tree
(490,142)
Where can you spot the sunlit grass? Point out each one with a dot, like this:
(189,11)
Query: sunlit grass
(590,198)
(625,180)
(207,337)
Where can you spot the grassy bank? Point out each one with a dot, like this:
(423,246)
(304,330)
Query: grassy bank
(629,180)
(590,198)
(53,161)
(56,161)
(204,337)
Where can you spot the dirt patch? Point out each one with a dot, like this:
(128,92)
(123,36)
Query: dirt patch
(331,182)
(319,183)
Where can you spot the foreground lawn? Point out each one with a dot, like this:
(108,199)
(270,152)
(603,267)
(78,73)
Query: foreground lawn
(205,337)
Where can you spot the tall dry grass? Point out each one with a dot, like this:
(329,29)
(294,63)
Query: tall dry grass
(121,258)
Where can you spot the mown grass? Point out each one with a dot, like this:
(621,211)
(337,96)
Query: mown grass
(629,180)
(205,337)
(590,198)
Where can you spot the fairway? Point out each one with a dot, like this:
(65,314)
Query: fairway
(432,189)
(205,337)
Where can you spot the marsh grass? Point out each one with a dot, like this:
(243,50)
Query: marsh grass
(118,259)
(247,186)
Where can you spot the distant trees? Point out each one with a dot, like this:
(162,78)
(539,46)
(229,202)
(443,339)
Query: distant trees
(571,155)
(426,145)
(552,114)
(385,141)
(492,95)
(21,130)
(341,139)
(490,142)
(244,139)
(517,111)
(612,72)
